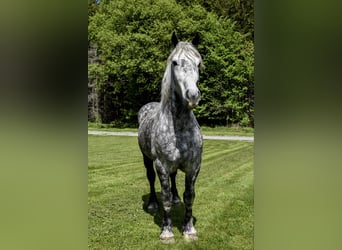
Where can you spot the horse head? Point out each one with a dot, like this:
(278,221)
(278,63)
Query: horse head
(185,62)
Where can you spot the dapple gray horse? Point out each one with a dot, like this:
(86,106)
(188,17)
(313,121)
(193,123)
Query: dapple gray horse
(170,136)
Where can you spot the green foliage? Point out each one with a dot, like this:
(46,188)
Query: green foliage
(227,84)
(239,12)
(133,42)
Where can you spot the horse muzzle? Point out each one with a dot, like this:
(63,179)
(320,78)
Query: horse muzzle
(193,97)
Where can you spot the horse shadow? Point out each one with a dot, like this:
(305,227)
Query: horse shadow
(177,213)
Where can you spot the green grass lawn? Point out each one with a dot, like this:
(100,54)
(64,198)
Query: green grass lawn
(117,189)
(220,130)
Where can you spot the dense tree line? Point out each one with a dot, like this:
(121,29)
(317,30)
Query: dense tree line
(129,42)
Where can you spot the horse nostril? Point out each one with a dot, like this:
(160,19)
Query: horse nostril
(192,94)
(187,94)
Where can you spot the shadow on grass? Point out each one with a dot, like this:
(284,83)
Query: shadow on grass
(177,213)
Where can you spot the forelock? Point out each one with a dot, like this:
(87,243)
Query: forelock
(185,50)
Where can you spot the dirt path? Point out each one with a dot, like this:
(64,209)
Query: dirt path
(206,137)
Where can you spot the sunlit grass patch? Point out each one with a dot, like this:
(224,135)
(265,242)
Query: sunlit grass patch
(117,188)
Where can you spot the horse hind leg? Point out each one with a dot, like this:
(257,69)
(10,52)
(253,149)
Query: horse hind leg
(175,197)
(152,204)
(189,231)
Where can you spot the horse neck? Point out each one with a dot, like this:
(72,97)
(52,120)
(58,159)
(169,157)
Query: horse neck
(172,105)
(178,112)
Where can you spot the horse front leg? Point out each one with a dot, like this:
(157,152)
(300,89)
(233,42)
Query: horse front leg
(189,231)
(166,235)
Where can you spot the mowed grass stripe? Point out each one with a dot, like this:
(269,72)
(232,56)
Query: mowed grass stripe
(117,185)
(230,188)
(227,160)
(213,153)
(114,163)
(112,149)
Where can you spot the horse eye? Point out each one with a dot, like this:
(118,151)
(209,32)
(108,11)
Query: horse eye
(174,63)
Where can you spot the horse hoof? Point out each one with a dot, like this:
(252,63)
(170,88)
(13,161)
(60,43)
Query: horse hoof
(152,207)
(190,237)
(190,233)
(168,240)
(167,237)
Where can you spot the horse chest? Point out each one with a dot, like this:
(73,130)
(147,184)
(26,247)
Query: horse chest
(175,148)
(189,144)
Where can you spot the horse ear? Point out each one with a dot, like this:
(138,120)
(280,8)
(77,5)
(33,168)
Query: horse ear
(196,40)
(174,40)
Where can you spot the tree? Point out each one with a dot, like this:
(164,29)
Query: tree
(241,12)
(132,38)
(227,84)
